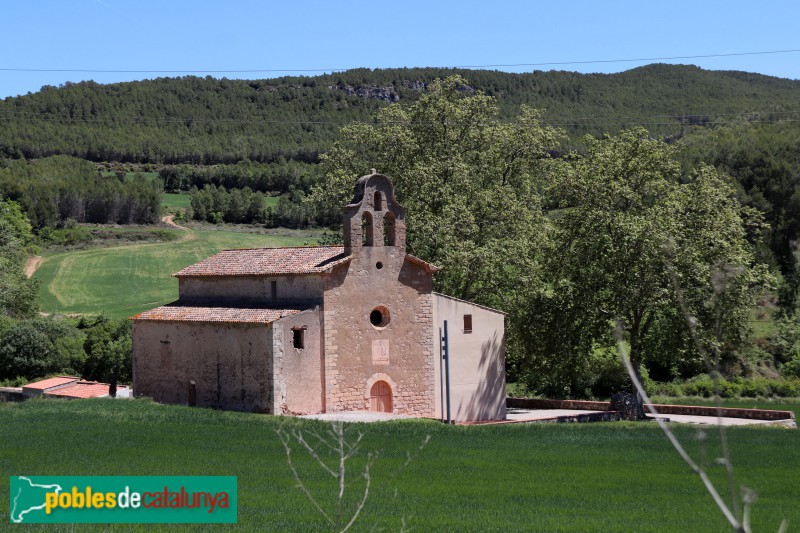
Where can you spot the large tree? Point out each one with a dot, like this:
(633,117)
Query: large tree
(470,184)
(17,292)
(644,246)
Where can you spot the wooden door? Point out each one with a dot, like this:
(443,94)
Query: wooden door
(380,397)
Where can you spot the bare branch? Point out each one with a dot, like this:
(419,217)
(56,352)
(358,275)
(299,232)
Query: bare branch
(313,453)
(363,501)
(284,437)
(322,440)
(713,368)
(729,516)
(338,444)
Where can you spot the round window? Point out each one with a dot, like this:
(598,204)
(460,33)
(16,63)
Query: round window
(379,265)
(379,316)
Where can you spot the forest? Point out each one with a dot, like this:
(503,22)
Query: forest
(71,154)
(204,121)
(55,189)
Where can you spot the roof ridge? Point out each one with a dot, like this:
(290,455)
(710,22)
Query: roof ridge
(486,307)
(303,247)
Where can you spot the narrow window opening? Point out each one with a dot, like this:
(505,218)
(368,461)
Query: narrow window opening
(377,201)
(467,323)
(166,352)
(298,338)
(366,229)
(274,289)
(389,230)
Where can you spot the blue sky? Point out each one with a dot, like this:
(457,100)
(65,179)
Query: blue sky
(283,36)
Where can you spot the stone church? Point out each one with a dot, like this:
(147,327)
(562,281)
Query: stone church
(323,329)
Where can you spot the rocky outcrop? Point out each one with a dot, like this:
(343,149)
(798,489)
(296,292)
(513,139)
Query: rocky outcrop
(386,94)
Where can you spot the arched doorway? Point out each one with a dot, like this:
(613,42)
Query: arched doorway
(380,397)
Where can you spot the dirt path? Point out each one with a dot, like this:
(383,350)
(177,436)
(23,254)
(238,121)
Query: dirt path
(190,236)
(33,262)
(169,222)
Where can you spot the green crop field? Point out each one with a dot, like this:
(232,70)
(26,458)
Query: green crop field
(182,201)
(544,477)
(124,280)
(172,200)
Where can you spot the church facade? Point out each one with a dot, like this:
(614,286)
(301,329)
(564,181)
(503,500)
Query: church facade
(322,329)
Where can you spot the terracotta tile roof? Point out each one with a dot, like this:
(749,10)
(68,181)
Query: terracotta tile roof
(268,261)
(84,389)
(428,266)
(52,382)
(232,315)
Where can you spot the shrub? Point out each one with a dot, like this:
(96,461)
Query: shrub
(700,385)
(791,369)
(787,389)
(753,388)
(728,389)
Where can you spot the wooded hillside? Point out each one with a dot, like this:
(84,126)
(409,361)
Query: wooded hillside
(207,120)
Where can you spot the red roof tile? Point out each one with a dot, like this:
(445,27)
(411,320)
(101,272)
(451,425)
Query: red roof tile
(268,261)
(421,262)
(232,315)
(84,389)
(51,382)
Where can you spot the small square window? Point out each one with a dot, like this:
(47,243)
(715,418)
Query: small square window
(467,323)
(298,338)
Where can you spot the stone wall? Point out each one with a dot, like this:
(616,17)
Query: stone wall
(257,290)
(298,371)
(230,363)
(357,354)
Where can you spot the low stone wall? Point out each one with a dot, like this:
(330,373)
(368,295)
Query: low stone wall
(727,412)
(11,394)
(696,410)
(534,403)
(605,416)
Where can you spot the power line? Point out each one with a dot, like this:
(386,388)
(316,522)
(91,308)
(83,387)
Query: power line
(299,70)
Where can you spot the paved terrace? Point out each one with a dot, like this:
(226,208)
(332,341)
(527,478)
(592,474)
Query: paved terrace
(522,411)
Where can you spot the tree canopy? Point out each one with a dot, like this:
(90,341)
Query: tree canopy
(644,245)
(622,232)
(468,180)
(17,292)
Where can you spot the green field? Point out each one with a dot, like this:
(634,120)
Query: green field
(182,201)
(124,280)
(175,201)
(546,477)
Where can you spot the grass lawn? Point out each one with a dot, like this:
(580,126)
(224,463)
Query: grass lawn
(547,477)
(124,280)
